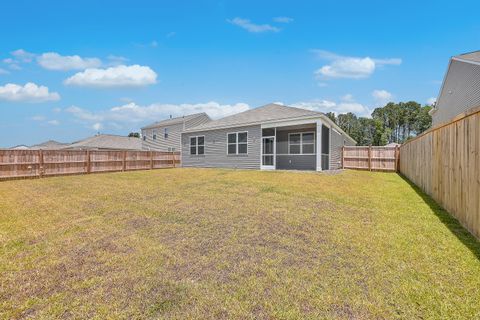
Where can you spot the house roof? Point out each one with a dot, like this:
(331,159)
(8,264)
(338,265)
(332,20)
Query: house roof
(48,145)
(266,113)
(107,141)
(469,57)
(173,121)
(269,112)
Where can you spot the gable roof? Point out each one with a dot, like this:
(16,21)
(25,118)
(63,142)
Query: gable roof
(269,112)
(48,145)
(107,141)
(172,121)
(473,57)
(263,114)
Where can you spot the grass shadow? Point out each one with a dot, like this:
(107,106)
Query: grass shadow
(448,220)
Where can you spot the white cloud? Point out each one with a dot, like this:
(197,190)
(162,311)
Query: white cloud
(252,27)
(38,118)
(283,19)
(131,113)
(382,97)
(119,76)
(55,61)
(116,60)
(30,92)
(53,122)
(350,67)
(12,64)
(97,126)
(431,101)
(57,110)
(22,55)
(3,71)
(344,106)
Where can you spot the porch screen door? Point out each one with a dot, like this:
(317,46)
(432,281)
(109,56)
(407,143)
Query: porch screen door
(268,153)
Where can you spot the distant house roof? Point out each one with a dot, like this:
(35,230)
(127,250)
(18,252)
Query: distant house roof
(107,141)
(268,113)
(393,144)
(49,145)
(20,147)
(469,57)
(173,121)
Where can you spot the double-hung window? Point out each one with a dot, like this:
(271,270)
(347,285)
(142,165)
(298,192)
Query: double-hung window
(154,135)
(301,143)
(197,145)
(237,143)
(165,133)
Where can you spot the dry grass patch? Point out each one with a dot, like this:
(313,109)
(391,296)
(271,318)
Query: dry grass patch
(201,243)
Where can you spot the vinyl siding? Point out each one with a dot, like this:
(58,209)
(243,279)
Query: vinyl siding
(174,135)
(216,149)
(286,161)
(460,92)
(337,141)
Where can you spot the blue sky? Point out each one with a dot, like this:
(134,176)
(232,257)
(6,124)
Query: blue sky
(70,69)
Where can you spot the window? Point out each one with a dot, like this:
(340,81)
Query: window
(154,134)
(144,137)
(301,143)
(237,143)
(165,133)
(197,145)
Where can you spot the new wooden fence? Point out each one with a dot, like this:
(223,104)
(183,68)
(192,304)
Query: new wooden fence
(445,163)
(370,158)
(43,163)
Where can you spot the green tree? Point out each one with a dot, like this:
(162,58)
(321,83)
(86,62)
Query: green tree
(134,134)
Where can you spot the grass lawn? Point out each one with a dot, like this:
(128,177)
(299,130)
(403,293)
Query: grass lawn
(205,243)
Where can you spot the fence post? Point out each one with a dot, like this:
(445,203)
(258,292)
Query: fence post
(124,160)
(343,157)
(151,160)
(370,158)
(89,165)
(173,159)
(397,158)
(40,163)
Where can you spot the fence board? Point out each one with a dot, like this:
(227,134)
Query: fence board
(370,158)
(39,163)
(445,163)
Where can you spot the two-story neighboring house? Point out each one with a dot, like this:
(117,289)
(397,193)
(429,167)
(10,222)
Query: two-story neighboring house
(166,135)
(460,89)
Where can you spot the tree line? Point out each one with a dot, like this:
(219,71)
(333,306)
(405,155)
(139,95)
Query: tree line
(394,122)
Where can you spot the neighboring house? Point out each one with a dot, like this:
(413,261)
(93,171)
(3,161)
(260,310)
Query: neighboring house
(106,142)
(393,144)
(269,137)
(460,89)
(49,145)
(166,135)
(19,147)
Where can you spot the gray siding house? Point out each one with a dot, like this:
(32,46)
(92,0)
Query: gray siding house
(460,89)
(166,135)
(268,138)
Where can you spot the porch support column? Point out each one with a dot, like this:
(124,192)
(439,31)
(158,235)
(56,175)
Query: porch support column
(318,146)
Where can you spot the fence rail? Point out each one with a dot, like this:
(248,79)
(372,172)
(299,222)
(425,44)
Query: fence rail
(370,158)
(43,163)
(445,163)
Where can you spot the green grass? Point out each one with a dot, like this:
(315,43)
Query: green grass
(200,243)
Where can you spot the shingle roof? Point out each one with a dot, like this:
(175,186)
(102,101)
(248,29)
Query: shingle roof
(471,56)
(49,145)
(173,121)
(269,112)
(107,141)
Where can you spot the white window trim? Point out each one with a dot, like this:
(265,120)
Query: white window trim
(165,133)
(196,145)
(301,133)
(237,143)
(154,134)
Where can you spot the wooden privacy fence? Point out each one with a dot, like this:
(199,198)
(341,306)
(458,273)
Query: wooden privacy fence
(445,163)
(43,163)
(370,158)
